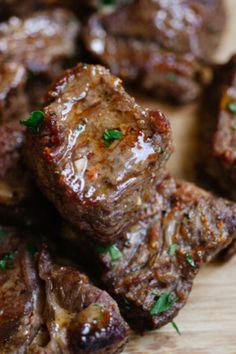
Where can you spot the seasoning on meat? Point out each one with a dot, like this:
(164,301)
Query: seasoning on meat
(101,188)
(151,283)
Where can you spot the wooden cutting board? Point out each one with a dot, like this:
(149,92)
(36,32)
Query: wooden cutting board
(208,321)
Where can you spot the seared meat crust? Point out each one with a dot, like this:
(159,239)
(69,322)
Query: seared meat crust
(46,308)
(98,187)
(161,50)
(161,255)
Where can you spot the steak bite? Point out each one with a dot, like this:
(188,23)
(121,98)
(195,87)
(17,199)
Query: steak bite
(220,127)
(13,102)
(47,308)
(80,318)
(151,270)
(97,154)
(41,42)
(21,298)
(161,49)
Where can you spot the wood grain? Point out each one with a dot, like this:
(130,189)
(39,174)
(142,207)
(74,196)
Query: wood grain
(208,321)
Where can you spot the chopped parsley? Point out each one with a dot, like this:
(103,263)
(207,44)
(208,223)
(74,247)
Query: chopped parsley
(112,250)
(2,234)
(190,260)
(110,135)
(171,77)
(100,312)
(34,121)
(174,325)
(172,249)
(232,107)
(165,301)
(5,259)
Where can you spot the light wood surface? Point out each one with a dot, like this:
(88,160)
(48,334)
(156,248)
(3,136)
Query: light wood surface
(208,321)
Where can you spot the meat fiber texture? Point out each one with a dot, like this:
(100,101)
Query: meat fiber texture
(98,183)
(151,270)
(47,308)
(162,50)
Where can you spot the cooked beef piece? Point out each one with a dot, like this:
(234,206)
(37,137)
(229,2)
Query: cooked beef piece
(41,42)
(13,102)
(97,154)
(219,128)
(160,49)
(80,318)
(46,308)
(150,272)
(20,293)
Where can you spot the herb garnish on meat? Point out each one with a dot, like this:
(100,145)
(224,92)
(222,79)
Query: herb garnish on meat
(5,259)
(110,135)
(190,260)
(165,301)
(113,250)
(172,249)
(34,121)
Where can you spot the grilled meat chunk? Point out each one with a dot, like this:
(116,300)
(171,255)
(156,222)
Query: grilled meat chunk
(47,308)
(151,270)
(21,298)
(220,127)
(97,154)
(41,42)
(80,318)
(161,49)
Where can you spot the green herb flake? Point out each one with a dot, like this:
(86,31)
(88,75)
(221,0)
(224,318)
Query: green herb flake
(172,249)
(171,77)
(111,135)
(232,107)
(58,172)
(32,249)
(100,312)
(2,234)
(34,121)
(5,259)
(165,301)
(190,260)
(113,250)
(174,325)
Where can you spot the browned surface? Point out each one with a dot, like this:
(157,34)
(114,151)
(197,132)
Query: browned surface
(208,321)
